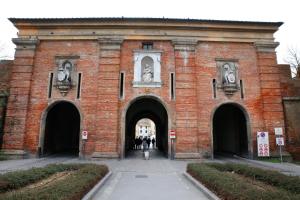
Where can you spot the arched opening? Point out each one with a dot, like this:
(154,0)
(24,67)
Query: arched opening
(230,131)
(62,130)
(151,109)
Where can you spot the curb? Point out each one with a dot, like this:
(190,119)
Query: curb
(95,189)
(210,195)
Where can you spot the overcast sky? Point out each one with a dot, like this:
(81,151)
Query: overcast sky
(286,11)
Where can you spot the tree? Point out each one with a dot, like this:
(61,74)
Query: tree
(293,59)
(3,51)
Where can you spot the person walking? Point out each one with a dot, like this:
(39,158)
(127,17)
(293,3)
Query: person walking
(153,143)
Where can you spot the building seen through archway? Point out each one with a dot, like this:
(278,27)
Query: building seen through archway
(62,130)
(147,117)
(230,131)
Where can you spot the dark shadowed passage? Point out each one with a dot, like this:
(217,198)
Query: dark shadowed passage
(152,109)
(230,131)
(62,130)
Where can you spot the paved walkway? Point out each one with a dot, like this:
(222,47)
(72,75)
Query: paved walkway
(158,178)
(136,178)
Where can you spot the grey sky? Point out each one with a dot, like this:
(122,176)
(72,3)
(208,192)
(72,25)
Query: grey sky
(251,10)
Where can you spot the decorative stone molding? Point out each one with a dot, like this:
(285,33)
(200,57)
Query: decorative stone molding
(26,43)
(65,73)
(110,43)
(184,45)
(266,46)
(147,68)
(228,75)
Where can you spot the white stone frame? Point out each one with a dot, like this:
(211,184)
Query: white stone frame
(138,57)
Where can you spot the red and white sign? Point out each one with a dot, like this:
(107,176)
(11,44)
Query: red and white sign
(84,135)
(172,134)
(263,148)
(280,141)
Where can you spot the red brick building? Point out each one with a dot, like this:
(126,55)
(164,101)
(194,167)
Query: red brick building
(215,83)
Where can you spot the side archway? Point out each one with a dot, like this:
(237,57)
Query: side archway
(60,129)
(231,131)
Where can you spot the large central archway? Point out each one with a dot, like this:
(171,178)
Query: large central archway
(230,131)
(151,108)
(62,129)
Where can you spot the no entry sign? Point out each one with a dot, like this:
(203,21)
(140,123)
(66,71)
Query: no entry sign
(172,134)
(84,135)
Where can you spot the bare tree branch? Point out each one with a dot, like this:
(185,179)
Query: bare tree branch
(293,59)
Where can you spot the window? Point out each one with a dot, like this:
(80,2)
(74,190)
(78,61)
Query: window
(147,45)
(78,86)
(172,87)
(50,85)
(121,89)
(214,84)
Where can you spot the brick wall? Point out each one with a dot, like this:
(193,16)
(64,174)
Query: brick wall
(5,72)
(290,91)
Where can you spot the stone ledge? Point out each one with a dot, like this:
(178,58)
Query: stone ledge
(291,98)
(105,155)
(14,154)
(206,192)
(96,188)
(187,156)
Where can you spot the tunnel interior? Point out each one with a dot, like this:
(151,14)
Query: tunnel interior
(230,131)
(62,130)
(151,109)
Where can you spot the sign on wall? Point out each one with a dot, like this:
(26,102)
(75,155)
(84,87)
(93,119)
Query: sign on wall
(172,134)
(263,149)
(84,135)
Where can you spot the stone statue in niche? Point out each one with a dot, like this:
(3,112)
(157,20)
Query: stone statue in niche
(229,74)
(147,69)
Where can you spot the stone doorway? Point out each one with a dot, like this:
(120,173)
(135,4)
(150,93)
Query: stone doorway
(230,131)
(147,108)
(62,130)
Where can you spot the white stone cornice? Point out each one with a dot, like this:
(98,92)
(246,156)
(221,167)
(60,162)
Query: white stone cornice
(110,43)
(266,46)
(184,44)
(26,43)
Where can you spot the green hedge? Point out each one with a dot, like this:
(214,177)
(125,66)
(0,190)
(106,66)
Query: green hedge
(289,183)
(74,186)
(230,186)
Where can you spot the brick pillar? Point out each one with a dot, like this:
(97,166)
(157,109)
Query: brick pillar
(18,101)
(186,100)
(108,134)
(270,90)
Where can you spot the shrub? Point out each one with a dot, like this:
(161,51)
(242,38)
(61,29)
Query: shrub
(74,186)
(230,186)
(289,183)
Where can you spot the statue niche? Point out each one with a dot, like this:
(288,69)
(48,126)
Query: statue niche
(147,69)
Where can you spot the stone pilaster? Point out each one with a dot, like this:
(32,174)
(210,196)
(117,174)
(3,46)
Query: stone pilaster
(270,88)
(186,100)
(107,138)
(18,101)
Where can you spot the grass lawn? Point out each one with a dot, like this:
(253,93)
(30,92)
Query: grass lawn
(56,181)
(235,181)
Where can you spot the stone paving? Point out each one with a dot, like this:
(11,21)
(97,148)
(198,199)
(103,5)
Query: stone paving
(137,178)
